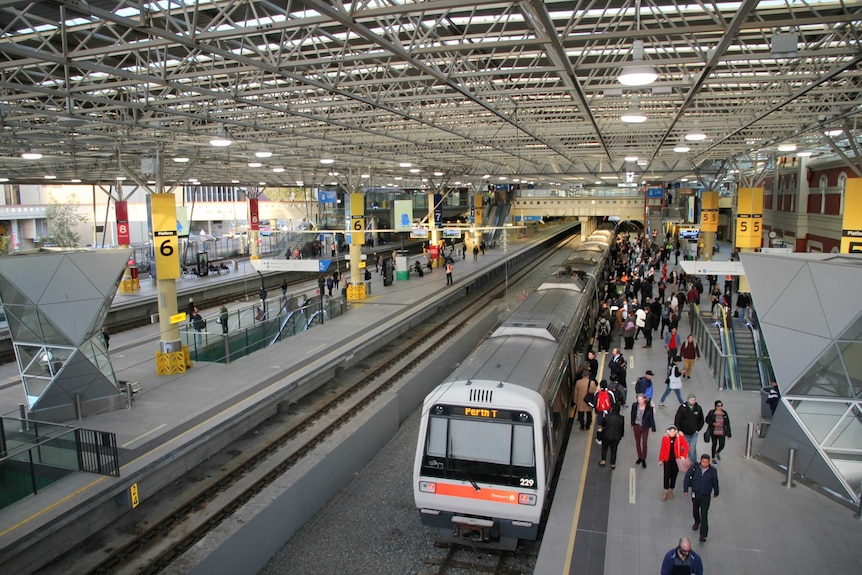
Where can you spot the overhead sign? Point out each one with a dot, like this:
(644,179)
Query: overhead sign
(700,268)
(123,235)
(327,197)
(438,211)
(749,218)
(355,220)
(403,215)
(851,228)
(451,233)
(655,193)
(254,214)
(291,265)
(419,232)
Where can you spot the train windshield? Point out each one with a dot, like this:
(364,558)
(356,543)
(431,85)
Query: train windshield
(499,452)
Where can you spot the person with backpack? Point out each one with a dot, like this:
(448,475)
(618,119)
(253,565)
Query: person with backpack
(613,429)
(643,386)
(603,401)
(603,331)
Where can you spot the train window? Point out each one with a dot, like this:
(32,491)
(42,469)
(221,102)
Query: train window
(436,437)
(522,446)
(480,441)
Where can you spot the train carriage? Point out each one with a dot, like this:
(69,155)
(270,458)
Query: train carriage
(491,435)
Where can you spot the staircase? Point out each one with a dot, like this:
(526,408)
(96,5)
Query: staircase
(749,369)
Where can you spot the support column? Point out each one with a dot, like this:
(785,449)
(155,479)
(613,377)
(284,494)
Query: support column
(749,224)
(355,233)
(435,214)
(254,229)
(708,223)
(172,357)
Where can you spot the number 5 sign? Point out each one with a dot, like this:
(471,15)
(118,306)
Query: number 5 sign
(165,239)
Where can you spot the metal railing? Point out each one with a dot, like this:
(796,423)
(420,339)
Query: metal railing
(259,325)
(35,454)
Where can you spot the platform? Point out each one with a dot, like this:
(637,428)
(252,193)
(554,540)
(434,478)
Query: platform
(613,521)
(178,421)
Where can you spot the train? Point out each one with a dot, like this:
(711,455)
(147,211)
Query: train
(491,435)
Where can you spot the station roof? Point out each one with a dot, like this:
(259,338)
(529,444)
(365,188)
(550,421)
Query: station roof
(469,92)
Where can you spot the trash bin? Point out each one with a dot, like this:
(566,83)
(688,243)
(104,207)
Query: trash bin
(765,410)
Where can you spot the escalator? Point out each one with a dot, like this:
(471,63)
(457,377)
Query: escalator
(747,357)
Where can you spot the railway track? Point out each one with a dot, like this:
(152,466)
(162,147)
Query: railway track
(226,483)
(461,559)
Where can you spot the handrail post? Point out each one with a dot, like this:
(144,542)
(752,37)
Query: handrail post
(791,462)
(858,514)
(749,439)
(22,414)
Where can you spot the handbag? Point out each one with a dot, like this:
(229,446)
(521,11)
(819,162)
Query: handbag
(683,463)
(706,436)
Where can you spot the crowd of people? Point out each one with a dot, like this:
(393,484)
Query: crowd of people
(644,294)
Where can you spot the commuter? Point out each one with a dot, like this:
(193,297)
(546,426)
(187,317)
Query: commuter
(619,389)
(690,353)
(329,285)
(603,331)
(585,388)
(629,329)
(475,252)
(602,401)
(673,451)
(617,363)
(482,247)
(773,396)
(464,251)
(689,420)
(284,287)
(703,482)
(448,273)
(665,318)
(717,430)
(321,286)
(336,279)
(376,259)
(673,382)
(260,314)
(612,430)
(223,318)
(190,309)
(107,337)
(682,560)
(642,421)
(672,344)
(640,322)
(648,328)
(593,364)
(644,386)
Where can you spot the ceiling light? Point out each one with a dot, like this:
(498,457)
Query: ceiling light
(50,177)
(405,164)
(263,154)
(364,176)
(631,158)
(299,182)
(73,180)
(787,148)
(804,154)
(221,140)
(486,177)
(4,179)
(278,170)
(643,162)
(636,72)
(681,148)
(634,115)
(438,174)
(696,134)
(327,161)
(181,159)
(254,164)
(833,133)
(31,155)
(234,181)
(415,170)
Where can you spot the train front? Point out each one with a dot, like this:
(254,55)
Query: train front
(478,471)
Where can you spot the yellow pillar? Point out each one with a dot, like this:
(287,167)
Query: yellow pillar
(708,223)
(851,228)
(356,209)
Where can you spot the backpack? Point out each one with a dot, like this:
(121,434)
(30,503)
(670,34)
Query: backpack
(604,327)
(603,400)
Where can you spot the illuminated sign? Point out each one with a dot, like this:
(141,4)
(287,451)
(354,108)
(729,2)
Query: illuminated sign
(482,413)
(474,412)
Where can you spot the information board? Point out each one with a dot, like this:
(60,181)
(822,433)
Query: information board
(851,228)
(165,241)
(749,218)
(709,212)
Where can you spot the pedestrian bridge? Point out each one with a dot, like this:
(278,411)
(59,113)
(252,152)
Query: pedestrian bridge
(627,207)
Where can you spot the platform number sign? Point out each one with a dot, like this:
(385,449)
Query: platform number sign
(165,239)
(134,496)
(749,219)
(357,219)
(709,212)
(851,226)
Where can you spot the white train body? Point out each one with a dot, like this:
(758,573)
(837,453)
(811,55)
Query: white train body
(490,436)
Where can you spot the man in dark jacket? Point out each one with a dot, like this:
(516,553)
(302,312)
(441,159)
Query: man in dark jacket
(644,385)
(682,559)
(703,482)
(689,420)
(613,428)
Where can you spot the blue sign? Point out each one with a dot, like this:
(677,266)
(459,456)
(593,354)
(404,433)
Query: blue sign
(529,218)
(327,197)
(323,265)
(471,199)
(438,211)
(655,192)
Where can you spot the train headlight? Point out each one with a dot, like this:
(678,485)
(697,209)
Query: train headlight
(526,498)
(431,487)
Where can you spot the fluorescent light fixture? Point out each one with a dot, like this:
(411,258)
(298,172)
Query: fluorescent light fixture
(643,162)
(234,181)
(631,158)
(121,178)
(73,180)
(181,159)
(833,133)
(50,177)
(438,174)
(327,161)
(636,72)
(696,134)
(405,164)
(415,170)
(254,164)
(263,154)
(31,155)
(7,179)
(501,178)
(681,148)
(804,154)
(787,148)
(364,176)
(278,170)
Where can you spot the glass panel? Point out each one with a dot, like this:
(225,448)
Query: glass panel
(50,333)
(36,386)
(854,331)
(436,437)
(522,446)
(820,416)
(848,435)
(851,353)
(480,441)
(826,378)
(23,323)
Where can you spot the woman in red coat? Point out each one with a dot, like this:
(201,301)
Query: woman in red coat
(673,447)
